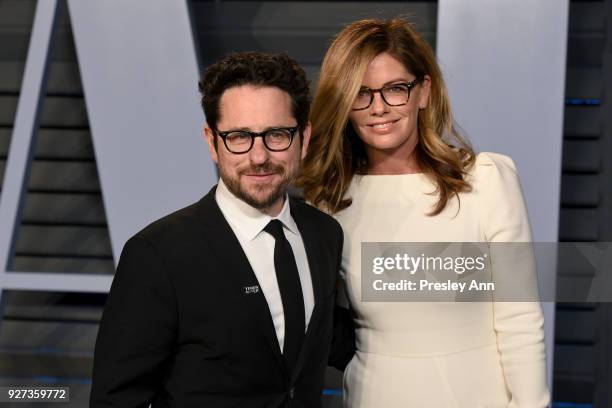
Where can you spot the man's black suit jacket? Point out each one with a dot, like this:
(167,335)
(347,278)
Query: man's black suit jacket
(181,329)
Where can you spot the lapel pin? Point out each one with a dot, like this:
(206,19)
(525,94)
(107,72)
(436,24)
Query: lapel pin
(248,290)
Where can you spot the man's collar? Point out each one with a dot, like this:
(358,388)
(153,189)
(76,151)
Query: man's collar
(248,219)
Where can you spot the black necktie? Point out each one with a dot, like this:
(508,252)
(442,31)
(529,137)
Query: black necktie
(291,293)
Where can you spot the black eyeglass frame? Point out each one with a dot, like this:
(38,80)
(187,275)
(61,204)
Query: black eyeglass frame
(409,85)
(291,130)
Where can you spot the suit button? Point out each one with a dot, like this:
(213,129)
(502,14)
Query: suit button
(291,392)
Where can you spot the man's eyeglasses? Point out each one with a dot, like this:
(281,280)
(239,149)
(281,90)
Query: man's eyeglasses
(393,94)
(241,141)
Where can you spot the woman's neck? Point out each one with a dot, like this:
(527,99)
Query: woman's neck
(388,163)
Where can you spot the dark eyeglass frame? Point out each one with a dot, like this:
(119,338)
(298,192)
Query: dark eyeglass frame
(291,130)
(409,85)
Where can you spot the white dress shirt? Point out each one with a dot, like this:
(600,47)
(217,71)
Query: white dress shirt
(248,223)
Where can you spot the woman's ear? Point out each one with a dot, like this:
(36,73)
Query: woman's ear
(425,90)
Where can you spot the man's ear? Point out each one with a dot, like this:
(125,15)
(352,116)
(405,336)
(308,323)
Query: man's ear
(209,135)
(306,139)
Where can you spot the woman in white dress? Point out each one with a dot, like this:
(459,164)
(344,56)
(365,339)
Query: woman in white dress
(387,162)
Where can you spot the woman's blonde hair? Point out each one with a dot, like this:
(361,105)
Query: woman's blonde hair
(336,153)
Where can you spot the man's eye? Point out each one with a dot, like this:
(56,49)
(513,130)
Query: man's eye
(239,137)
(277,135)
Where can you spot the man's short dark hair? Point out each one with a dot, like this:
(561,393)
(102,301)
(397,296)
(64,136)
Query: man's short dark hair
(258,69)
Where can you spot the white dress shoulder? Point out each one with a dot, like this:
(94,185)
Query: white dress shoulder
(409,354)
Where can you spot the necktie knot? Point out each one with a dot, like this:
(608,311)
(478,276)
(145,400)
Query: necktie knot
(275,228)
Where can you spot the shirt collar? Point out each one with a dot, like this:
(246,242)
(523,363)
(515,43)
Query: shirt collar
(247,219)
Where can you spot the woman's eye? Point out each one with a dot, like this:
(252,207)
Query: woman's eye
(395,88)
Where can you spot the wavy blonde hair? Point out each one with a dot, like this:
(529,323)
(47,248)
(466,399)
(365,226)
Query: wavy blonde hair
(336,153)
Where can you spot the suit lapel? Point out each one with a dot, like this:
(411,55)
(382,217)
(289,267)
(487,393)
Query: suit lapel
(229,251)
(310,239)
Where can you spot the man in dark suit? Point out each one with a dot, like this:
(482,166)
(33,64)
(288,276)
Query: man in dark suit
(230,302)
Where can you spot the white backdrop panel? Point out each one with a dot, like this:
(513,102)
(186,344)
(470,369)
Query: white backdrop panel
(139,72)
(504,63)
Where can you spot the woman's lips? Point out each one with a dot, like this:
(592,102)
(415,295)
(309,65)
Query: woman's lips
(383,127)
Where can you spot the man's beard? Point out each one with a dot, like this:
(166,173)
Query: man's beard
(261,203)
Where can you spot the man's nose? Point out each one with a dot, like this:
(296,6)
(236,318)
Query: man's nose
(258,153)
